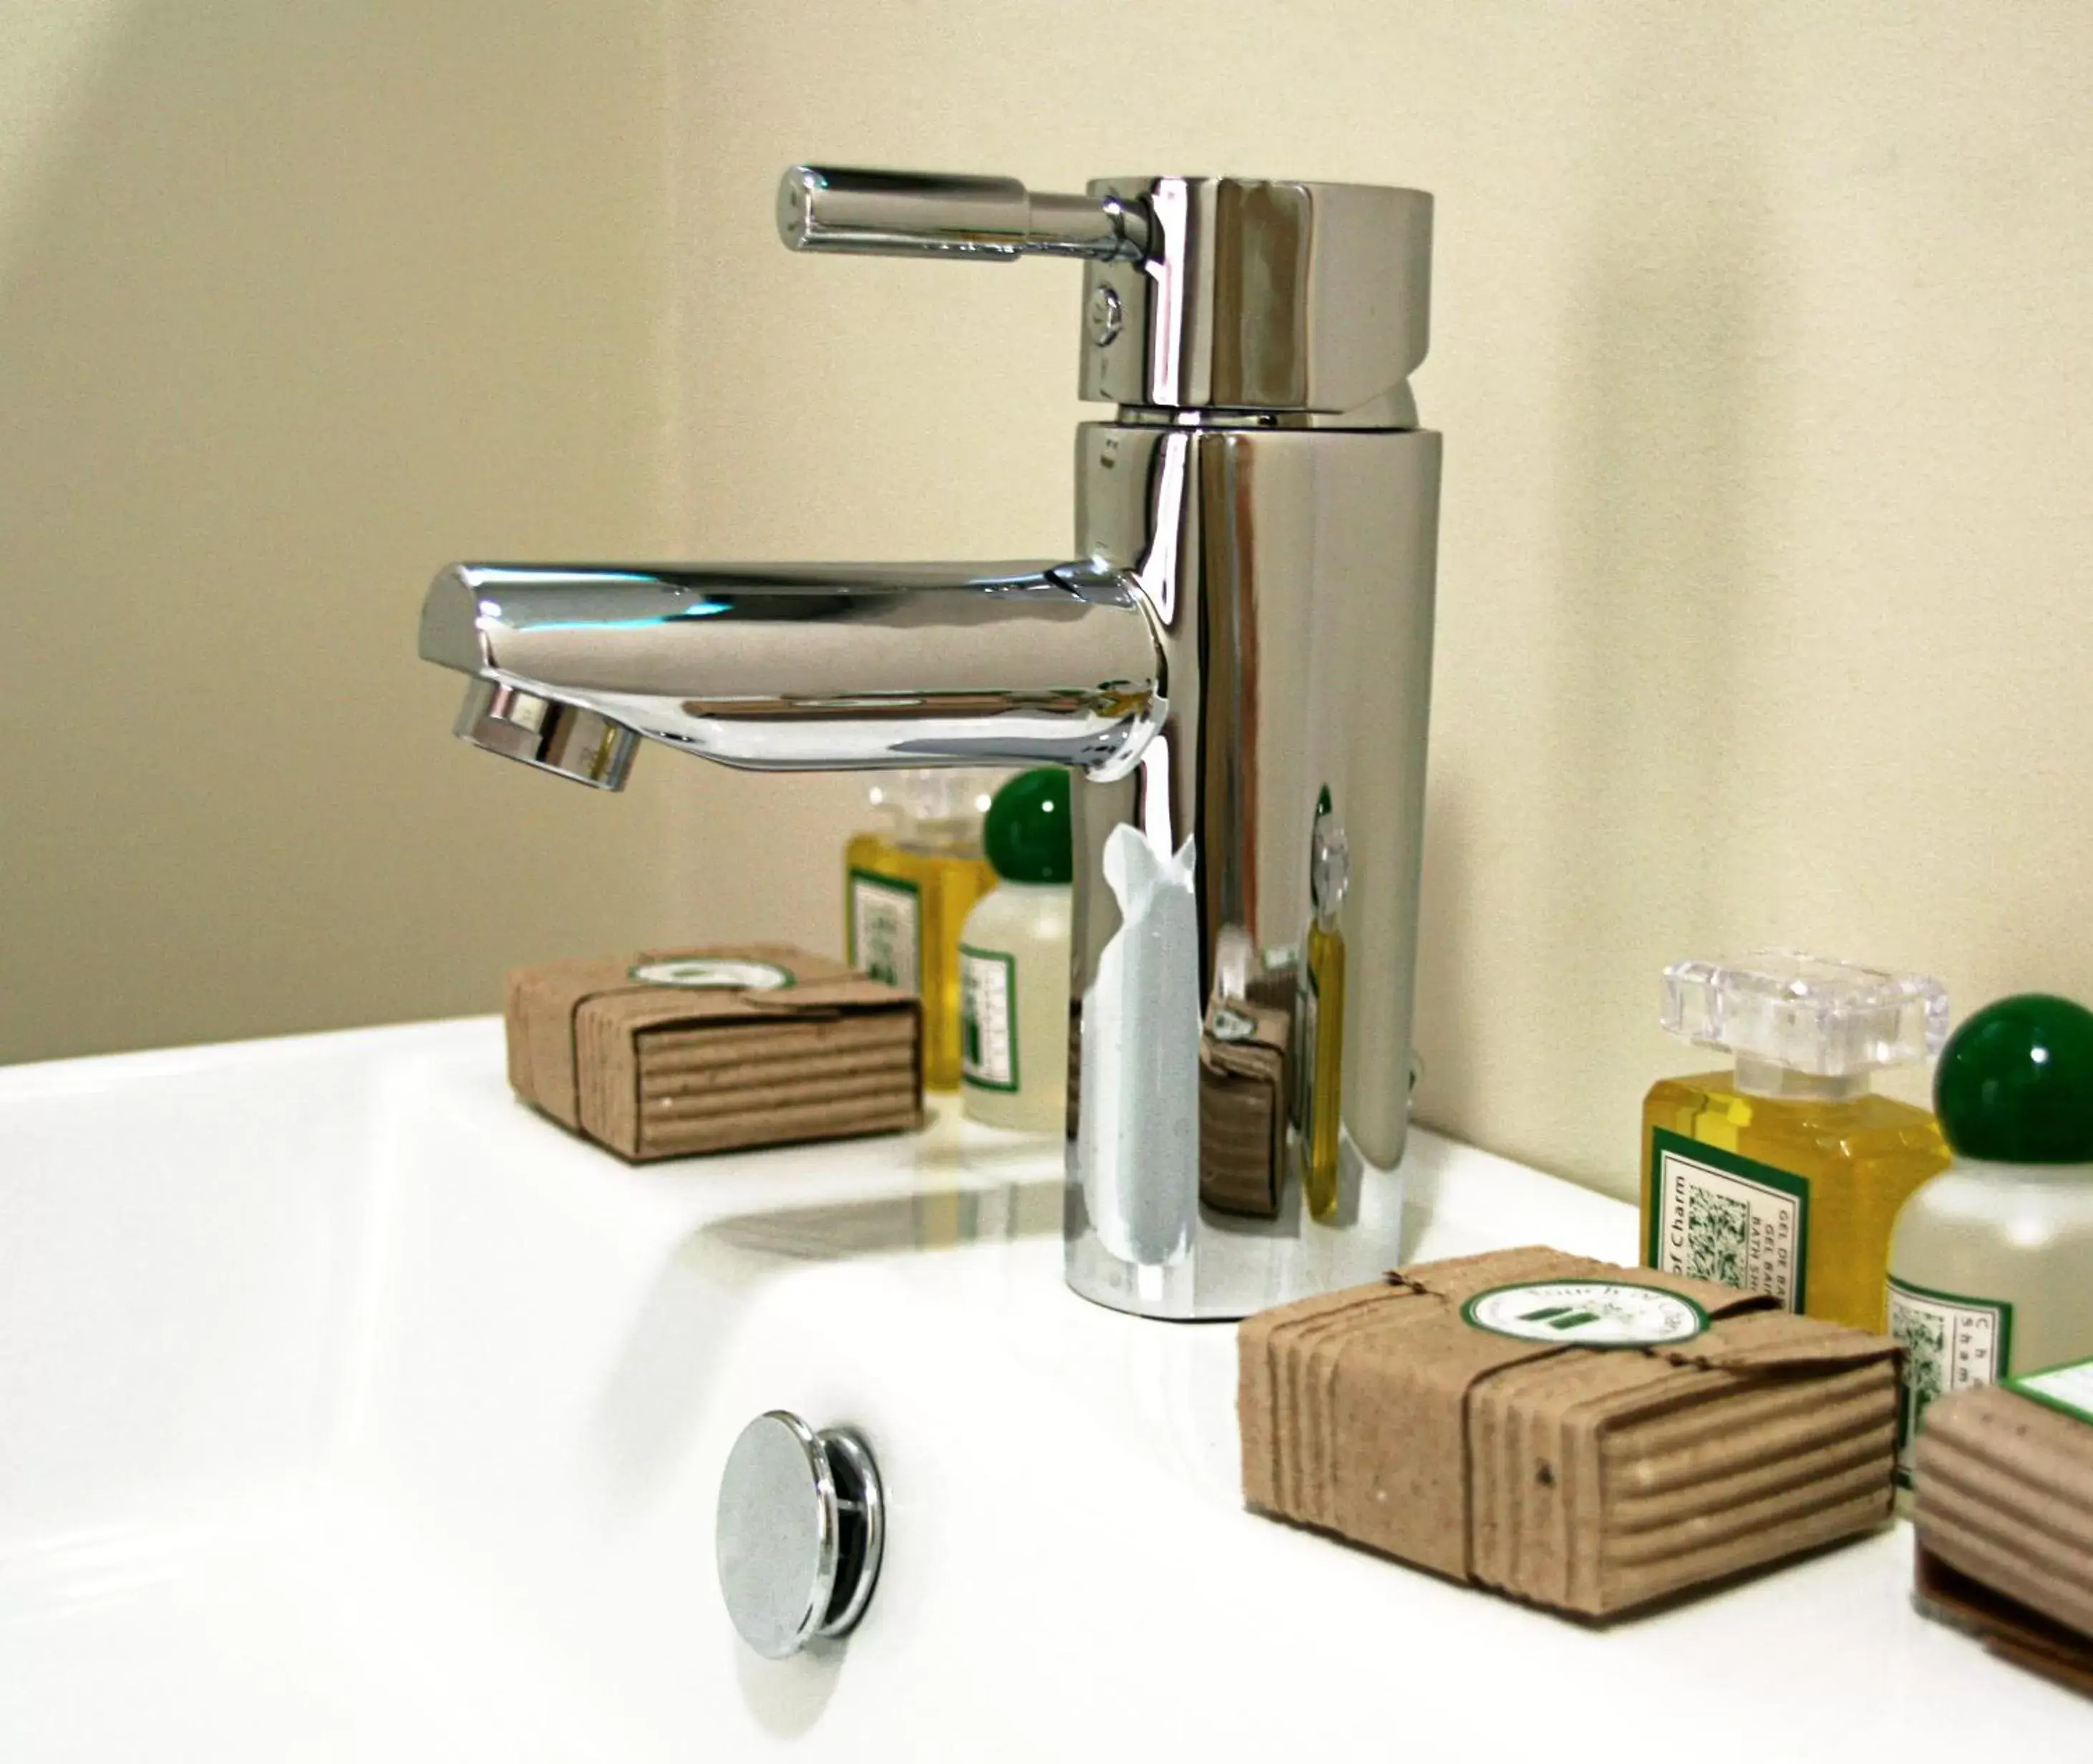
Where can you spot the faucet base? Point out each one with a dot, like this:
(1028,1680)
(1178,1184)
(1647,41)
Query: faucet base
(1232,1267)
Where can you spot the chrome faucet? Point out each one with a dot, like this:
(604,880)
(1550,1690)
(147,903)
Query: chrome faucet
(1238,660)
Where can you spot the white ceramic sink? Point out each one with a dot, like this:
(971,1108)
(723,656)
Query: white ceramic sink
(348,1409)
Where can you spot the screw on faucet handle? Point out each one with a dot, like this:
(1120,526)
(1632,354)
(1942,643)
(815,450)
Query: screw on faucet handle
(910,214)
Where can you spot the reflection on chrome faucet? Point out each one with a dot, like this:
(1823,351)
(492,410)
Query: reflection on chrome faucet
(1239,649)
(1137,1139)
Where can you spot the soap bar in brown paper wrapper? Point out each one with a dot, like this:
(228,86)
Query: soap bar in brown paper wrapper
(2005,1519)
(672,1052)
(1590,1479)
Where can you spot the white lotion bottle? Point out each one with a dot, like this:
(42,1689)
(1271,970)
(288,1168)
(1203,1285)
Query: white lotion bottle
(1014,963)
(1990,1270)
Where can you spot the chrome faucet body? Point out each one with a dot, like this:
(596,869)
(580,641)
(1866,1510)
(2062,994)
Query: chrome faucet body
(1238,661)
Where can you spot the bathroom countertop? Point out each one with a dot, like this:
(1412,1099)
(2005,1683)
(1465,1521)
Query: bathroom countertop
(331,1369)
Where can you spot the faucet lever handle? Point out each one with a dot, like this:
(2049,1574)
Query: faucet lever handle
(930,213)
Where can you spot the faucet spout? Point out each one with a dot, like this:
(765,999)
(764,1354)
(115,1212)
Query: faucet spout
(818,666)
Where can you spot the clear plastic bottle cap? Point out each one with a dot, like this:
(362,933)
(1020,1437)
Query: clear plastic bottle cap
(1824,1019)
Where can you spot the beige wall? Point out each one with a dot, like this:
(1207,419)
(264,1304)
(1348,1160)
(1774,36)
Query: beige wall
(295,304)
(1763,345)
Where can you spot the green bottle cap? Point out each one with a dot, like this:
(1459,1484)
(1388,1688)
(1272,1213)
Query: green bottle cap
(2015,1082)
(1025,836)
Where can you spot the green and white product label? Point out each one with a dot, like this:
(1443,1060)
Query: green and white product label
(1950,1342)
(2067,1389)
(1715,1215)
(988,1019)
(886,921)
(708,971)
(1584,1313)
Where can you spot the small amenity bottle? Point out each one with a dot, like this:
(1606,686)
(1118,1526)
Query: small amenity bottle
(1991,1267)
(1014,963)
(1785,1176)
(907,888)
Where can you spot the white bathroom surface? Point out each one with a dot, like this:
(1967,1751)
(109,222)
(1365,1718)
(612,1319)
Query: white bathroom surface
(349,1410)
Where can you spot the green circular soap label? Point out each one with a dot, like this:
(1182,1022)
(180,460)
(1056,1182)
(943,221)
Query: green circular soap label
(1587,1313)
(713,971)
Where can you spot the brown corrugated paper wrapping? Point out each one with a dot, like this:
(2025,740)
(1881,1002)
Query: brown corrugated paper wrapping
(2004,1517)
(1592,1479)
(673,1052)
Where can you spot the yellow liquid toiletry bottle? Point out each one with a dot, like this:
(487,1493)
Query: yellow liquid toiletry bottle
(908,885)
(1991,1266)
(1784,1175)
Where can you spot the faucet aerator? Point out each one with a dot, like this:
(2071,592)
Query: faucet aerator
(563,740)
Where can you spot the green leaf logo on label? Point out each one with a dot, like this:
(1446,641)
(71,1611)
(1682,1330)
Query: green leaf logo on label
(1583,1313)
